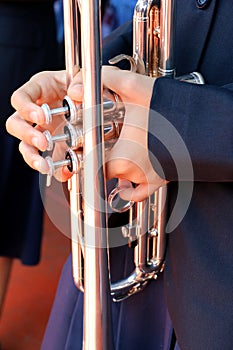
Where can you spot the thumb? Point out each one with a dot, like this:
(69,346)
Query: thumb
(75,89)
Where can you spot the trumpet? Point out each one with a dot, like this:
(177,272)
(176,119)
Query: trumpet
(91,129)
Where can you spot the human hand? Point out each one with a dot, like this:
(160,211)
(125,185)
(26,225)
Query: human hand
(49,87)
(129,159)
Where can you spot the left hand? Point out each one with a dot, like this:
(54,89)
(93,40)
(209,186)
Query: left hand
(129,159)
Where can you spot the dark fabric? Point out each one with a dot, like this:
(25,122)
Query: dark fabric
(135,320)
(120,39)
(27,45)
(198,275)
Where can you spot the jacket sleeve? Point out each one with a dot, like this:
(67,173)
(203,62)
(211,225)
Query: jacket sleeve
(191,125)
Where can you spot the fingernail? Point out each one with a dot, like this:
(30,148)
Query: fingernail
(41,166)
(36,165)
(76,85)
(75,91)
(33,116)
(44,168)
(37,117)
(35,142)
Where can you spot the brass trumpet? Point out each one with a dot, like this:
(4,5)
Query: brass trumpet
(91,129)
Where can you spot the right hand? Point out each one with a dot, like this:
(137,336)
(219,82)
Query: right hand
(49,87)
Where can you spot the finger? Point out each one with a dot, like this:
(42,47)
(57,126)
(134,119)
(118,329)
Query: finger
(32,158)
(19,128)
(123,183)
(23,100)
(113,78)
(62,174)
(40,88)
(124,82)
(75,90)
(139,193)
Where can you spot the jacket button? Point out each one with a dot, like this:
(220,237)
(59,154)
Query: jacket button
(201,4)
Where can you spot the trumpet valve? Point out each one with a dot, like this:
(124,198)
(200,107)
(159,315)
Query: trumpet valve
(130,232)
(73,136)
(72,161)
(68,109)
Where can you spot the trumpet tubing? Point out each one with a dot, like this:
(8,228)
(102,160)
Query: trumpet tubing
(91,129)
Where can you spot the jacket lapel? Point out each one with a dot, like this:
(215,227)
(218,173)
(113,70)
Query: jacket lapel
(191,43)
